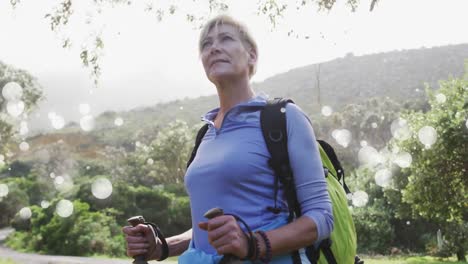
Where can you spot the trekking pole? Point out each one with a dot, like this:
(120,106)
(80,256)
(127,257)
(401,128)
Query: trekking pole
(228,258)
(134,221)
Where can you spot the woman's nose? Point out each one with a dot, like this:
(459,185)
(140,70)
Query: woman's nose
(214,47)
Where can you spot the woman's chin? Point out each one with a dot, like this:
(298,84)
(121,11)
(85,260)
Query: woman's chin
(218,76)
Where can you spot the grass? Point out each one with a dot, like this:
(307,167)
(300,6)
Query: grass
(409,260)
(367,260)
(375,260)
(6,261)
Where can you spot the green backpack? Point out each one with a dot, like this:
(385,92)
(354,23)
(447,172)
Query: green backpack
(340,248)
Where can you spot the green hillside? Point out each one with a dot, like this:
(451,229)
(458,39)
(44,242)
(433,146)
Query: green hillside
(398,75)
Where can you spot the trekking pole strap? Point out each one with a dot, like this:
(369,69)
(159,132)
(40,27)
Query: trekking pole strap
(159,234)
(296,257)
(325,246)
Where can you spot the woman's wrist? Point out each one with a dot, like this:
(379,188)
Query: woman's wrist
(179,243)
(177,246)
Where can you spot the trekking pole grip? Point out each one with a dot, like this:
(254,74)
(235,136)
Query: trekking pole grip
(228,258)
(134,221)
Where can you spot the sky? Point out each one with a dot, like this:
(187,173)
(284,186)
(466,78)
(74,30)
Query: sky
(145,61)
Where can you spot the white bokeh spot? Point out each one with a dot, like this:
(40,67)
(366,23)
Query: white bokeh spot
(57,121)
(87,123)
(327,110)
(441,98)
(383,177)
(4,190)
(400,129)
(24,146)
(23,128)
(360,198)
(403,159)
(25,213)
(45,204)
(427,136)
(64,208)
(369,156)
(12,91)
(15,108)
(118,121)
(342,137)
(101,188)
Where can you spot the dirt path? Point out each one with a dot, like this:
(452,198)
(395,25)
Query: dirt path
(31,258)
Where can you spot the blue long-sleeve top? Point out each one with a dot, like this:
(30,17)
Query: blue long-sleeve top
(231,171)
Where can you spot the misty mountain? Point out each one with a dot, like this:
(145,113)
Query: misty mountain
(398,75)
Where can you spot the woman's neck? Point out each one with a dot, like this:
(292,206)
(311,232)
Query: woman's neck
(233,93)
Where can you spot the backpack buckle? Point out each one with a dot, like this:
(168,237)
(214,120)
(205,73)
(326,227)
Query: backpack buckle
(275,135)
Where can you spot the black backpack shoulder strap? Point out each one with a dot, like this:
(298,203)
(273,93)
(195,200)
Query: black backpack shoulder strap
(274,129)
(201,133)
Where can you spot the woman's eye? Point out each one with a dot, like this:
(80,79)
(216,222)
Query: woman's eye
(226,38)
(206,44)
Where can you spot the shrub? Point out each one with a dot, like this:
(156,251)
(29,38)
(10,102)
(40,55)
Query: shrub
(83,233)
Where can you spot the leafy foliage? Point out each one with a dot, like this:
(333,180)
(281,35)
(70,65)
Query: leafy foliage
(164,159)
(32,93)
(437,183)
(95,225)
(380,225)
(444,163)
(374,228)
(10,205)
(84,232)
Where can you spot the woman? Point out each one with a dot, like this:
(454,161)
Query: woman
(231,168)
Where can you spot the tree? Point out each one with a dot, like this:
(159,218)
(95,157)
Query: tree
(91,52)
(368,122)
(373,221)
(19,93)
(164,160)
(11,204)
(437,185)
(83,233)
(171,150)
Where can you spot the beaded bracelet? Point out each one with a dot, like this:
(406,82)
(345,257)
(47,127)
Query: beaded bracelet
(251,246)
(257,249)
(268,253)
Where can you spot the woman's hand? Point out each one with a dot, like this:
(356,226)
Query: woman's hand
(226,236)
(141,241)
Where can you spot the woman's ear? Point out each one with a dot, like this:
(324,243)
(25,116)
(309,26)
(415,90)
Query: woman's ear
(252,57)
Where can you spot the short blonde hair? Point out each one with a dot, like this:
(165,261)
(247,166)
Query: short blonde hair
(243,32)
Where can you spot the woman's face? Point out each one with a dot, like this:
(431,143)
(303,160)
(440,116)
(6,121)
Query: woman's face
(224,55)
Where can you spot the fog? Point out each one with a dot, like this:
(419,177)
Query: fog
(145,61)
